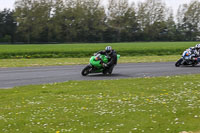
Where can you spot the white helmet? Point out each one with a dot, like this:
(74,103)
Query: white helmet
(108,49)
(197,46)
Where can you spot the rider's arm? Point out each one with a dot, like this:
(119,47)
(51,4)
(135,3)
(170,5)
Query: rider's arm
(101,52)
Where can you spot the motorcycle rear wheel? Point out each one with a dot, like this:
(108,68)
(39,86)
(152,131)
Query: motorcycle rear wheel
(105,72)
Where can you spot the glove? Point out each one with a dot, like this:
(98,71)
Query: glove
(108,57)
(105,65)
(192,57)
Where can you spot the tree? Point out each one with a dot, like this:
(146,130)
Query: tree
(33,18)
(189,20)
(7,26)
(171,28)
(90,21)
(121,20)
(78,20)
(24,19)
(152,15)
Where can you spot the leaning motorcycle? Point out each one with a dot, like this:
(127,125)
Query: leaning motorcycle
(97,65)
(186,60)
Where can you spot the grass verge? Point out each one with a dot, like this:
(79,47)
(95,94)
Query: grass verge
(86,50)
(78,61)
(150,105)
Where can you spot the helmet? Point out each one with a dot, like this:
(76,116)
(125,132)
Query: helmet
(108,49)
(197,46)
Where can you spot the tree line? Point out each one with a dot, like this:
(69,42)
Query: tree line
(45,21)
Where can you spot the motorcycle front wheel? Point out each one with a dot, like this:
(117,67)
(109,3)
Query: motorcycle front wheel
(178,63)
(86,70)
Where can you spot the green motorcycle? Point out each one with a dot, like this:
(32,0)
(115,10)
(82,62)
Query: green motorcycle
(96,65)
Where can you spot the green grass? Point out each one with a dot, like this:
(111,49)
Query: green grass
(86,50)
(78,61)
(150,105)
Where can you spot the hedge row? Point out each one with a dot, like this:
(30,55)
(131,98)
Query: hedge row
(49,54)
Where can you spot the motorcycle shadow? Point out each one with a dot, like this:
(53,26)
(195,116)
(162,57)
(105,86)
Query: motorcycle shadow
(185,66)
(105,75)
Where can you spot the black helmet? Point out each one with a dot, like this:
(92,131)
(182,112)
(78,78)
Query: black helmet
(108,49)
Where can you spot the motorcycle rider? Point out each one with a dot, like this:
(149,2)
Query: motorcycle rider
(190,53)
(193,53)
(197,50)
(112,58)
(196,53)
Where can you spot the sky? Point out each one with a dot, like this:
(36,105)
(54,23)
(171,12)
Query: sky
(171,3)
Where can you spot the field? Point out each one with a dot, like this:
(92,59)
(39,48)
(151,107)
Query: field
(150,105)
(86,50)
(161,105)
(74,54)
(77,61)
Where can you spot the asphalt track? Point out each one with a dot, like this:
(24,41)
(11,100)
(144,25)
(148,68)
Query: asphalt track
(11,77)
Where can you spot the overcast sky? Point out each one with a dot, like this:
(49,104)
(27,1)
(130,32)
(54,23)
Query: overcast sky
(171,3)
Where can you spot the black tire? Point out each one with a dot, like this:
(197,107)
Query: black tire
(110,70)
(178,63)
(105,71)
(86,70)
(194,64)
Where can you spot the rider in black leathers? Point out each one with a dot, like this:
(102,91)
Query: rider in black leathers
(194,53)
(197,52)
(112,58)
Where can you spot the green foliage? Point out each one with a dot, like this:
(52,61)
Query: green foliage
(6,38)
(189,20)
(58,21)
(33,20)
(7,26)
(86,50)
(121,21)
(150,105)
